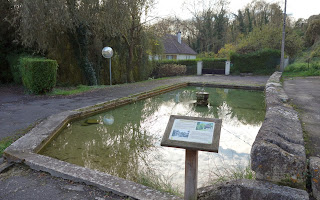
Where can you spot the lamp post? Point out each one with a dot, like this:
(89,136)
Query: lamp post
(283,37)
(107,52)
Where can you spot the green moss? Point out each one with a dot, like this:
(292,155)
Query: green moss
(306,138)
(294,182)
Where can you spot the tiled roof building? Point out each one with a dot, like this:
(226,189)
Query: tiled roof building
(175,49)
(173,46)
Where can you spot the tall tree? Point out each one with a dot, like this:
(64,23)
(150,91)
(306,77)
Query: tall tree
(132,34)
(249,20)
(82,26)
(269,36)
(220,27)
(241,24)
(313,32)
(6,40)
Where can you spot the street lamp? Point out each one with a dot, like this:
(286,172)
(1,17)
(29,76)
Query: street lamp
(107,52)
(283,37)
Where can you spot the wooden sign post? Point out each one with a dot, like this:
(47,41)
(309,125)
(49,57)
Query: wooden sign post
(192,134)
(191,174)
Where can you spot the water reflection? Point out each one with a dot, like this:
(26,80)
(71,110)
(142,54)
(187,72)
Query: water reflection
(131,144)
(108,119)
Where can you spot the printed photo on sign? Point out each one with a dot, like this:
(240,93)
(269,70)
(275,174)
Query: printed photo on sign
(204,126)
(183,134)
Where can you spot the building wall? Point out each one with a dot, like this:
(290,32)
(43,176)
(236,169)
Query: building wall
(186,57)
(154,57)
(172,57)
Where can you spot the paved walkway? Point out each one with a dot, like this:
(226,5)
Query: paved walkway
(22,183)
(305,95)
(18,111)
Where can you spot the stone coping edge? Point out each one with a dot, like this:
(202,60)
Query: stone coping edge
(315,176)
(25,149)
(278,152)
(244,87)
(243,189)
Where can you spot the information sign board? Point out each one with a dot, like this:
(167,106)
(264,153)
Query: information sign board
(195,133)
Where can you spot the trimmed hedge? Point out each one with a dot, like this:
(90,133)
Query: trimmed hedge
(14,62)
(171,70)
(217,63)
(191,64)
(259,62)
(38,74)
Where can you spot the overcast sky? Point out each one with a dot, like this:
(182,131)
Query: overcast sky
(297,8)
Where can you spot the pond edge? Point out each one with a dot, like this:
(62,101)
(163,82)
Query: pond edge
(25,149)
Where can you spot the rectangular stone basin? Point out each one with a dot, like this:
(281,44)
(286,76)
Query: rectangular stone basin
(106,155)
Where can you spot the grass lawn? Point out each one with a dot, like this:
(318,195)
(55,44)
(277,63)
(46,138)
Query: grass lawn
(75,90)
(4,143)
(302,69)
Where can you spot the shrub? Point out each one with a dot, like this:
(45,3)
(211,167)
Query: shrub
(297,67)
(260,62)
(269,36)
(171,70)
(313,32)
(190,64)
(13,60)
(207,54)
(38,74)
(316,51)
(14,63)
(303,69)
(226,51)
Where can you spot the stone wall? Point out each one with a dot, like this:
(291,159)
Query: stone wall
(250,190)
(315,176)
(278,153)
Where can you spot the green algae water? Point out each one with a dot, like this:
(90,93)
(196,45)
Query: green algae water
(125,141)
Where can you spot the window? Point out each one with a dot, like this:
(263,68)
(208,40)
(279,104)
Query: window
(169,57)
